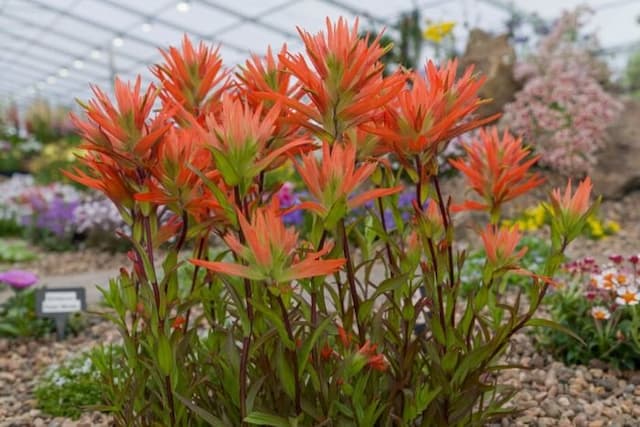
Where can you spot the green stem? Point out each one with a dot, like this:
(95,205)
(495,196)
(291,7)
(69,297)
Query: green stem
(392,264)
(351,278)
(446,222)
(246,341)
(292,355)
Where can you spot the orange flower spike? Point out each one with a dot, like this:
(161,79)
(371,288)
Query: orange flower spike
(345,338)
(174,183)
(577,204)
(497,170)
(570,212)
(260,75)
(333,179)
(193,77)
(500,245)
(103,175)
(259,79)
(270,252)
(343,79)
(326,352)
(178,322)
(374,361)
(432,110)
(122,131)
(239,139)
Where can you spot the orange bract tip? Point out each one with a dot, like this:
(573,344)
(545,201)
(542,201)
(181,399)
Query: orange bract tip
(497,169)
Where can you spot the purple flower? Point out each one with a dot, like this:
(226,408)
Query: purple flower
(287,199)
(18,279)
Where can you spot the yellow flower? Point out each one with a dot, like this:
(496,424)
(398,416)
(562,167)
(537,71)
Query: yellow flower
(612,227)
(596,229)
(437,31)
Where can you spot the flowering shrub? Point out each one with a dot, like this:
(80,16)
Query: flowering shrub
(563,109)
(535,218)
(350,323)
(600,305)
(54,215)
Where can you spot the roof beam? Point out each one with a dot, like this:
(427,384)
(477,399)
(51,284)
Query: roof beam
(244,18)
(169,24)
(107,28)
(360,12)
(70,37)
(55,67)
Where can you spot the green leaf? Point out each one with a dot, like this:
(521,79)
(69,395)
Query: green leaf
(202,413)
(553,325)
(390,284)
(303,355)
(165,354)
(264,419)
(285,373)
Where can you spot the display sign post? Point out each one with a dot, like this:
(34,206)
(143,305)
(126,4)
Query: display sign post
(58,304)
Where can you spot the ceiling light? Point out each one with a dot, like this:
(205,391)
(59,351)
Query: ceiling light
(63,72)
(117,41)
(95,53)
(78,64)
(183,6)
(51,80)
(146,27)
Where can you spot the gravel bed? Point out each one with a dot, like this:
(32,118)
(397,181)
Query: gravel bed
(23,362)
(550,393)
(70,262)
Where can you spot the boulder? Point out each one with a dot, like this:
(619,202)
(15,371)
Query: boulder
(494,57)
(617,169)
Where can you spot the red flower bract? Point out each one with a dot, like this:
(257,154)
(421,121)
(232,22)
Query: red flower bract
(333,179)
(342,78)
(497,169)
(123,131)
(430,111)
(193,78)
(271,251)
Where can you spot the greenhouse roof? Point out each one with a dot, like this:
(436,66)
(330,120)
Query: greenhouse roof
(55,48)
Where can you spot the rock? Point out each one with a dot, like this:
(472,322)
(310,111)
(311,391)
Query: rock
(596,423)
(38,422)
(551,409)
(546,422)
(580,420)
(550,379)
(494,58)
(596,372)
(616,173)
(563,401)
(564,422)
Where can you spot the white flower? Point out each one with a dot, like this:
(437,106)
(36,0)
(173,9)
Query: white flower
(600,313)
(628,295)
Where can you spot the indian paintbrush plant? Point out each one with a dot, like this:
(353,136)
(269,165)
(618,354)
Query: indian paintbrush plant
(351,323)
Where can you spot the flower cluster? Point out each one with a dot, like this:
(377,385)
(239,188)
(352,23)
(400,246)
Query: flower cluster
(600,305)
(563,110)
(56,209)
(615,286)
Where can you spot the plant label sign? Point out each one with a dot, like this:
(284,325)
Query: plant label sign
(58,304)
